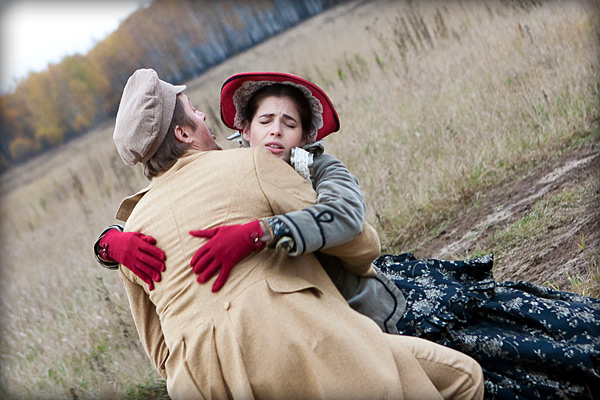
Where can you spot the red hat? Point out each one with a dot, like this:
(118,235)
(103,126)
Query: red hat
(238,88)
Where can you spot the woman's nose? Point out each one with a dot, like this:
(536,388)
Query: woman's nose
(276,130)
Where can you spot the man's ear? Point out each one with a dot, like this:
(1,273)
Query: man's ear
(181,135)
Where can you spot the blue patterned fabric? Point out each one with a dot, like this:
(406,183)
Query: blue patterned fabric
(532,342)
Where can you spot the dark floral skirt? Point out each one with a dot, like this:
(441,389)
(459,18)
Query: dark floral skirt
(532,342)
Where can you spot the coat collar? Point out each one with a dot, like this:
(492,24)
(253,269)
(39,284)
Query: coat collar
(128,203)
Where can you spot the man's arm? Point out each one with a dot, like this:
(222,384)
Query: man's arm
(357,255)
(146,322)
(335,220)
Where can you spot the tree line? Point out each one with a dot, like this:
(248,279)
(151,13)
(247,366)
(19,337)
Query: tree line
(179,39)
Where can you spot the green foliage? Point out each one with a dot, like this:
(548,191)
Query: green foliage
(49,135)
(21,148)
(179,39)
(151,390)
(379,61)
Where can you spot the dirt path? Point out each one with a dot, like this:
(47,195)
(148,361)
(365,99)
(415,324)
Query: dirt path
(548,257)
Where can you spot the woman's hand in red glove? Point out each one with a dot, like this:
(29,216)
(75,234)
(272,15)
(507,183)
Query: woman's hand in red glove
(226,246)
(135,251)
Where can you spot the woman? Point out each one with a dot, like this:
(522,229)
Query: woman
(532,342)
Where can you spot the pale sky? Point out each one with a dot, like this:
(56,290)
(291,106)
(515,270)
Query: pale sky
(34,33)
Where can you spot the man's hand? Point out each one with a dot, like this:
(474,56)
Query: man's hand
(227,245)
(135,251)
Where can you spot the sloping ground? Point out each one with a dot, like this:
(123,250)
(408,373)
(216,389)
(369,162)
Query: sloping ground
(543,227)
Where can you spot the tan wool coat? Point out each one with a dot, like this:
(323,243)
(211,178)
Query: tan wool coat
(278,328)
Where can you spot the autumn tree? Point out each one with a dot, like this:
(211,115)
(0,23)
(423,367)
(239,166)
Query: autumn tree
(180,39)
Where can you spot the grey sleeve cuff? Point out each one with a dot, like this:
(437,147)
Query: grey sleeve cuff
(281,237)
(105,263)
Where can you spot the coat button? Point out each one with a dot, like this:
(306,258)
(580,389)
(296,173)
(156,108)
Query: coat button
(226,305)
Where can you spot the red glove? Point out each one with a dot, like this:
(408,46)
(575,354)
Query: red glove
(137,252)
(227,245)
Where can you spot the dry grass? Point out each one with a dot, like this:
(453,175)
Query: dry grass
(437,100)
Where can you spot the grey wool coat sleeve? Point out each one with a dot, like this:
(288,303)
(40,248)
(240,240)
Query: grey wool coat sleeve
(337,218)
(338,215)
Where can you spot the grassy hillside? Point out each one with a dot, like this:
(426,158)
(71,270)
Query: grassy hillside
(442,104)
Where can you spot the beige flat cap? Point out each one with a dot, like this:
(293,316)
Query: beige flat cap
(144,115)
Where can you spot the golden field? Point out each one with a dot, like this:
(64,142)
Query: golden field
(438,101)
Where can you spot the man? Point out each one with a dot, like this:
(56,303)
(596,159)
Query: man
(279,328)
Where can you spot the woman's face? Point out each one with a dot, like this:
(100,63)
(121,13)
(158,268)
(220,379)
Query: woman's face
(276,125)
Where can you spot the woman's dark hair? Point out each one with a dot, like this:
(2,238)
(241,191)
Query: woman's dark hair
(170,149)
(281,90)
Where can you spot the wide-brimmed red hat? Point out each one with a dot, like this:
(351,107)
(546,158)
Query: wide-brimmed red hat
(238,88)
